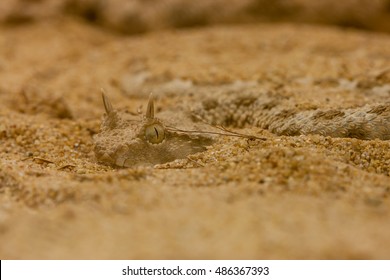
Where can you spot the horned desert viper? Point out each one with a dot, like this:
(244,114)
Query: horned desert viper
(126,141)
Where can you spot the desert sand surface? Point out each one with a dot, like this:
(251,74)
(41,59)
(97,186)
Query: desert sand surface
(287,197)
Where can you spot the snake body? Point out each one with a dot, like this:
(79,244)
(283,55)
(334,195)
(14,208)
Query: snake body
(282,117)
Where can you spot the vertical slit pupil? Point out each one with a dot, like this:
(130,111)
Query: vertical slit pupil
(155,129)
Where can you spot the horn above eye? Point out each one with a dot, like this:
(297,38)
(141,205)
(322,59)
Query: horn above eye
(154,133)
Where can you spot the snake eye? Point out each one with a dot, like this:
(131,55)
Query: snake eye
(155,133)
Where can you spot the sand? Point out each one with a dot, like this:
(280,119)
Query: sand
(298,197)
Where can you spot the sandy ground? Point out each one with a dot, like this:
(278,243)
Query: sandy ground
(305,197)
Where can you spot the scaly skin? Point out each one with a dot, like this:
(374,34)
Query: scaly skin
(127,142)
(280,116)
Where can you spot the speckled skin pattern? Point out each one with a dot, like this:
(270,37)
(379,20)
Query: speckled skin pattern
(122,141)
(281,116)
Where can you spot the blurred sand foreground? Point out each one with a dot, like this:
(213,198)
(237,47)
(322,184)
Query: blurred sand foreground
(288,197)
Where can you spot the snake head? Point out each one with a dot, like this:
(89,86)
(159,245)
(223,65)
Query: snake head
(124,141)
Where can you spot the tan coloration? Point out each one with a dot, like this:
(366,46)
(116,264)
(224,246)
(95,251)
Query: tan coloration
(127,142)
(138,16)
(284,118)
(107,103)
(290,197)
(150,109)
